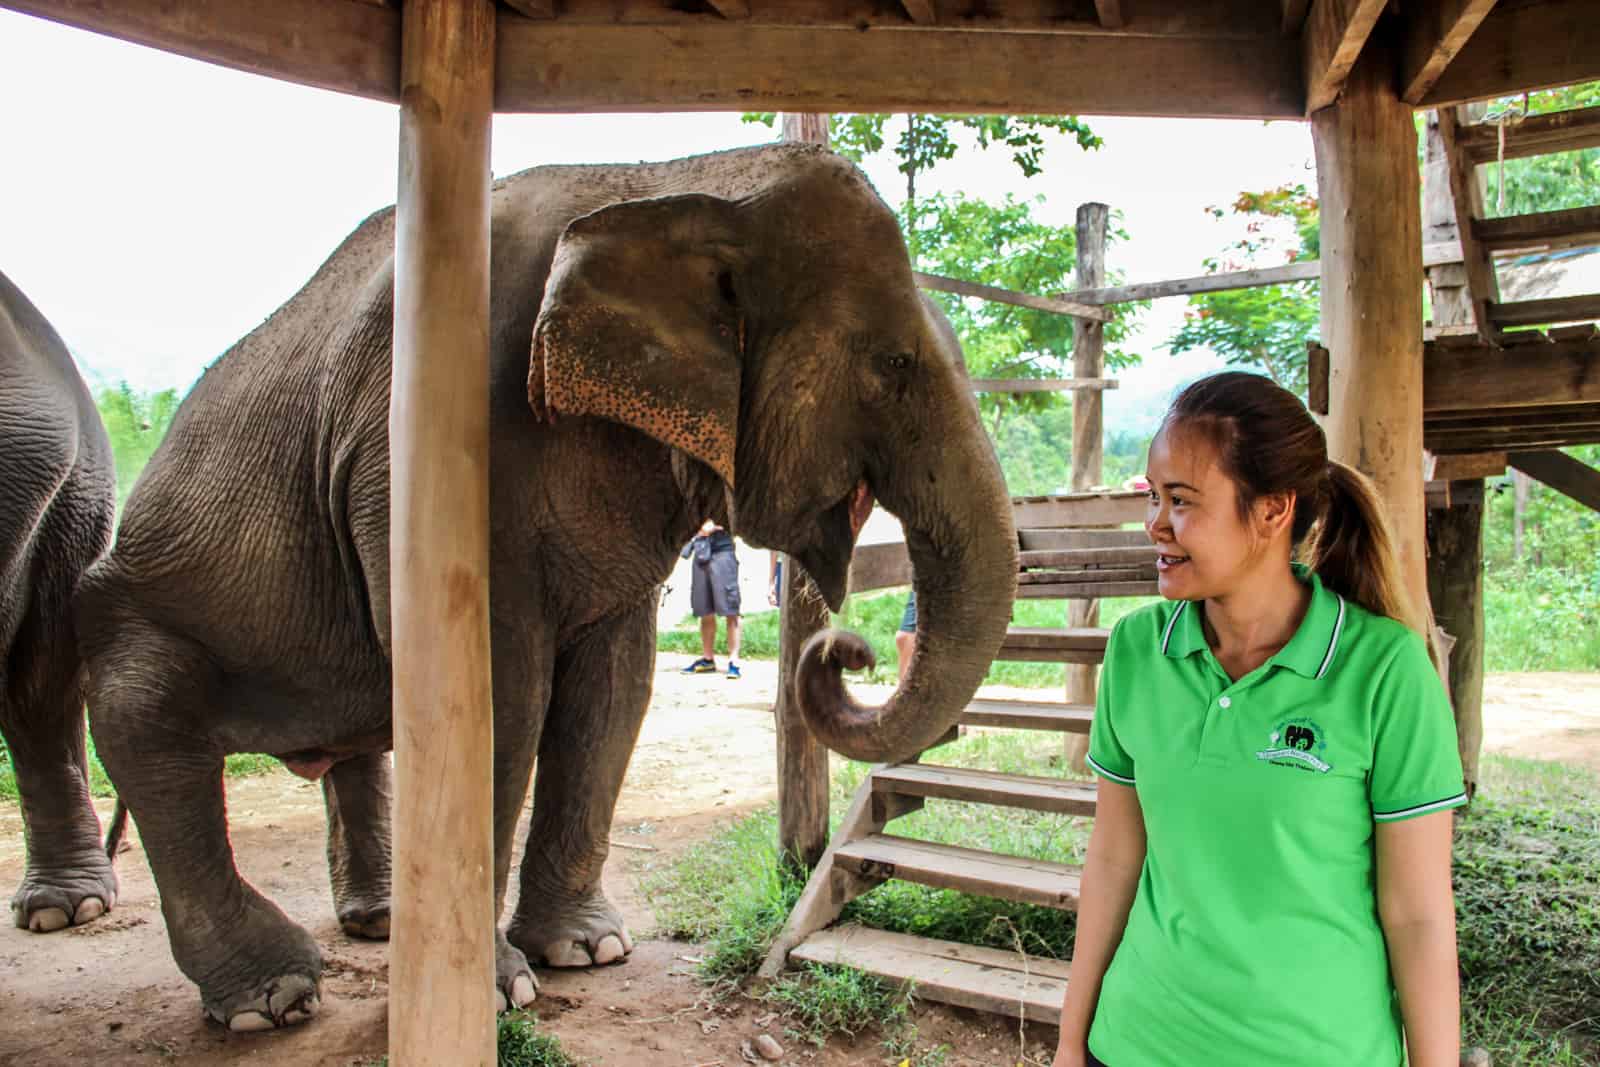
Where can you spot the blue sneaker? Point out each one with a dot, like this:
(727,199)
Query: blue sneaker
(733,670)
(701,666)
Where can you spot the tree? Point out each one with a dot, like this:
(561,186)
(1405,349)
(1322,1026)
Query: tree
(136,422)
(1542,183)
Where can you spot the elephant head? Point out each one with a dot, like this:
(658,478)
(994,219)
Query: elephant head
(779,339)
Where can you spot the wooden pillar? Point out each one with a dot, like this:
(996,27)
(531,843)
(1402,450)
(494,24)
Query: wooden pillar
(1088,439)
(1455,586)
(1367,184)
(802,760)
(441,969)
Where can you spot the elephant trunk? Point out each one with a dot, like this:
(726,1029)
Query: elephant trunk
(964,559)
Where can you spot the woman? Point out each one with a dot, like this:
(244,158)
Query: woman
(1268,880)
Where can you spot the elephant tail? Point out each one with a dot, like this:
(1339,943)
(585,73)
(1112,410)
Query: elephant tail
(119,823)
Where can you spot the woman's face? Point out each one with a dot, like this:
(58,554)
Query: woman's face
(1205,548)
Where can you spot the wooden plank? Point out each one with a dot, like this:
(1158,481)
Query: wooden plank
(1054,305)
(1562,473)
(1030,792)
(1203,283)
(1042,385)
(1110,13)
(880,567)
(1087,575)
(967,976)
(1465,465)
(1046,539)
(442,945)
(1111,508)
(738,10)
(1457,379)
(533,9)
(726,67)
(1083,557)
(1435,31)
(1466,195)
(1536,135)
(1080,591)
(966,870)
(1046,644)
(1520,47)
(1542,416)
(349,48)
(920,11)
(1540,231)
(1335,33)
(1515,441)
(1455,588)
(1029,715)
(1294,16)
(1540,312)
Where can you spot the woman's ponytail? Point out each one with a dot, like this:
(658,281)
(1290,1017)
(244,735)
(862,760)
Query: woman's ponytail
(1351,548)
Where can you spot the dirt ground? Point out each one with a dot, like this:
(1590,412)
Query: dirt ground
(109,993)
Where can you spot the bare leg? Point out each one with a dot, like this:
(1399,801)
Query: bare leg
(708,636)
(601,692)
(905,644)
(734,635)
(357,793)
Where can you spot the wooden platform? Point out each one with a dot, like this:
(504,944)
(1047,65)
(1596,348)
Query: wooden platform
(1030,792)
(985,979)
(1029,715)
(988,874)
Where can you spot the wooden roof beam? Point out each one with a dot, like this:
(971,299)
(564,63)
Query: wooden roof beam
(1562,473)
(1584,308)
(1468,378)
(1572,228)
(1334,34)
(533,9)
(1521,47)
(1436,30)
(1536,135)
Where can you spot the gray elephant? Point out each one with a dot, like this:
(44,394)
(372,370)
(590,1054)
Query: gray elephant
(57,499)
(735,336)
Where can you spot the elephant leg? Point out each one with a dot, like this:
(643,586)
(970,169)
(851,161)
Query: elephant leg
(255,968)
(357,793)
(598,701)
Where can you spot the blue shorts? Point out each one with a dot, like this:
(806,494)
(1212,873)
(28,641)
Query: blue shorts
(908,621)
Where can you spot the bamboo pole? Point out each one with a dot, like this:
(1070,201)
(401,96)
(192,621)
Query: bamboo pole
(1367,183)
(442,971)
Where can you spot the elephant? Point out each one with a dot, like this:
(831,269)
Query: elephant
(57,501)
(735,336)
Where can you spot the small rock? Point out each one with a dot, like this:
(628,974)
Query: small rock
(769,1048)
(1476,1057)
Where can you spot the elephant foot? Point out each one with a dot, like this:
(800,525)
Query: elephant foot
(515,985)
(53,900)
(369,922)
(281,1001)
(580,933)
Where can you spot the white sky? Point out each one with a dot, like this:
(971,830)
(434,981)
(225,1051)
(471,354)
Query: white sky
(157,208)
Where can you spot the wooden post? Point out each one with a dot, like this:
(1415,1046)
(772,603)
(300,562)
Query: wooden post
(1088,440)
(1455,585)
(802,760)
(442,970)
(1367,184)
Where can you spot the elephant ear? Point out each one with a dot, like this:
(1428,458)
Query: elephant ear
(641,324)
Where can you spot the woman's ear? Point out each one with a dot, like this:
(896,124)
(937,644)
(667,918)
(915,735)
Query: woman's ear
(641,324)
(1274,513)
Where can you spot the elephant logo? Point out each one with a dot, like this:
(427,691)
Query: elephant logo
(1298,743)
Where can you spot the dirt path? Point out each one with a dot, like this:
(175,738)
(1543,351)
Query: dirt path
(109,993)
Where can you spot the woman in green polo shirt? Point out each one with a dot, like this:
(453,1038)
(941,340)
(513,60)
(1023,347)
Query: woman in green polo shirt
(1268,880)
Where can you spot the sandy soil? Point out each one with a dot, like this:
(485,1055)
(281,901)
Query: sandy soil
(109,993)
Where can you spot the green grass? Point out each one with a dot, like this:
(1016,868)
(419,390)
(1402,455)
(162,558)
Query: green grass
(1541,619)
(240,765)
(820,1001)
(519,1044)
(876,617)
(1527,873)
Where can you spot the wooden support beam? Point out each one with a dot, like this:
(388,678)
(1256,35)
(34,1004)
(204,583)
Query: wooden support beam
(442,948)
(1109,13)
(1466,379)
(1042,385)
(1545,230)
(1335,33)
(1462,466)
(1536,135)
(920,11)
(736,10)
(1521,47)
(1544,312)
(1455,589)
(1436,30)
(1466,195)
(722,66)
(1512,439)
(1368,187)
(1562,473)
(1294,16)
(350,48)
(533,9)
(1053,305)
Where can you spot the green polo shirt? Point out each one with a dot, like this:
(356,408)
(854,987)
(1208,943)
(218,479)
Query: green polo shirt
(1253,940)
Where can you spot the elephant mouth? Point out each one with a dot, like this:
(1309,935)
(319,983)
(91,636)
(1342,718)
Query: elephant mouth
(827,561)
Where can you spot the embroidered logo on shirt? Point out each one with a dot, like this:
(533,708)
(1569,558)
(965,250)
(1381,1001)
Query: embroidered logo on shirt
(1297,743)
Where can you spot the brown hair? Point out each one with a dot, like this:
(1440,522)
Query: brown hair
(1267,442)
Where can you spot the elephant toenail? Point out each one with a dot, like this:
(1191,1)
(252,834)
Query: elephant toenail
(91,909)
(609,950)
(249,1022)
(47,920)
(523,991)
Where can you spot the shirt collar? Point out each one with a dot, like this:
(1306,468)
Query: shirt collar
(1310,652)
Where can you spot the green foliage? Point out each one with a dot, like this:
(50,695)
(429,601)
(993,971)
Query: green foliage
(1543,183)
(136,422)
(520,1043)
(820,1001)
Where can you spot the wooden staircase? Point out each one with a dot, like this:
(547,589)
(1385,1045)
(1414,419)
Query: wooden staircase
(861,856)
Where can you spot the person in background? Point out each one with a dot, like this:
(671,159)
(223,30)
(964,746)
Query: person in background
(905,639)
(1268,879)
(713,591)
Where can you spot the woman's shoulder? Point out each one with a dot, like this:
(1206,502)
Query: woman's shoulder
(1379,640)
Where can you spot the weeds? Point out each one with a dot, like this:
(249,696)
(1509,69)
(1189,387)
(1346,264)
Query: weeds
(519,1043)
(822,1000)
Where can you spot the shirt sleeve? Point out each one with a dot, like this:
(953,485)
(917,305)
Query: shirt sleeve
(1416,765)
(1107,756)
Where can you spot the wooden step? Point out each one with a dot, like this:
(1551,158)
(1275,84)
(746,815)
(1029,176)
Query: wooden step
(1083,591)
(986,787)
(984,979)
(1029,715)
(988,874)
(1053,644)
